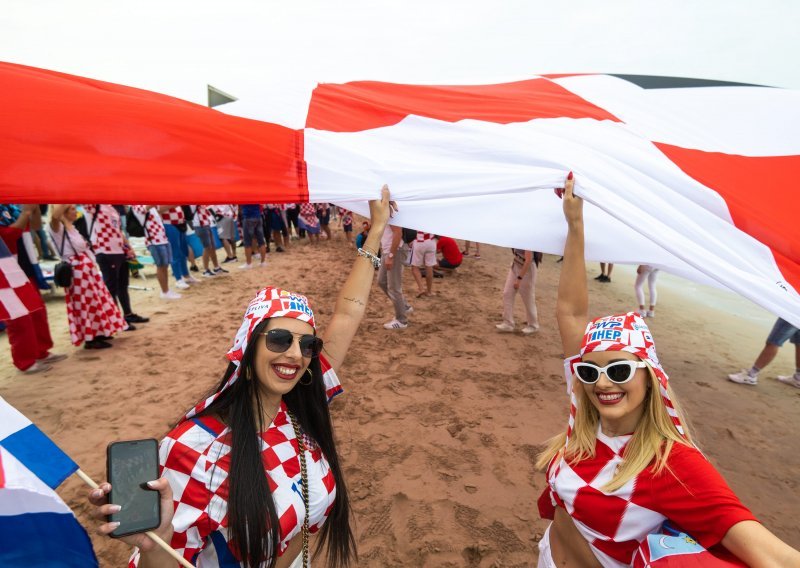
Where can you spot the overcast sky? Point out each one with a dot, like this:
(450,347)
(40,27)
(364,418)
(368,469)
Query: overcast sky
(176,47)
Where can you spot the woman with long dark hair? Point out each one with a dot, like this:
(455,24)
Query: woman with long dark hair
(252,469)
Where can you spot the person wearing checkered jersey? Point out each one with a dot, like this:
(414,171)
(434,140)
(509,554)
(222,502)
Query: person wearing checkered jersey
(108,246)
(626,465)
(93,316)
(252,469)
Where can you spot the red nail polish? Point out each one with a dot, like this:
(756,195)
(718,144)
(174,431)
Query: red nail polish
(570,175)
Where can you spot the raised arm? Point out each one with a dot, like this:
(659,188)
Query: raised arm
(25,216)
(56,215)
(572,307)
(352,300)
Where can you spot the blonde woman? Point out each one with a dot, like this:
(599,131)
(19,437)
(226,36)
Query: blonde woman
(626,463)
(93,316)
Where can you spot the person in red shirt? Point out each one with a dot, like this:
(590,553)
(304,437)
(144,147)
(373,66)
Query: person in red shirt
(451,255)
(626,464)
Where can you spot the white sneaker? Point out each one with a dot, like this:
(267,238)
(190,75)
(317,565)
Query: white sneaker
(743,378)
(642,313)
(191,280)
(52,358)
(263,264)
(504,327)
(170,295)
(409,309)
(37,367)
(651,314)
(791,380)
(395,324)
(245,267)
(529,329)
(182,285)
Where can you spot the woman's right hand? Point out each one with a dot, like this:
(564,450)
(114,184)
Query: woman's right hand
(381,210)
(102,509)
(572,204)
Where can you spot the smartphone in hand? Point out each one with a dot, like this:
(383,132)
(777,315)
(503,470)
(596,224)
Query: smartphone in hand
(130,465)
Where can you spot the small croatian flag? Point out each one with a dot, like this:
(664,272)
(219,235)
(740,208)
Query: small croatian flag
(38,529)
(32,448)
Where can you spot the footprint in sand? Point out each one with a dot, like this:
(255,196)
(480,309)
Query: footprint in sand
(382,522)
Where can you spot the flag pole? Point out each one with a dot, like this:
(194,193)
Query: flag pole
(153,536)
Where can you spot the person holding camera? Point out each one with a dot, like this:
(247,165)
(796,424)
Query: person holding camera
(252,470)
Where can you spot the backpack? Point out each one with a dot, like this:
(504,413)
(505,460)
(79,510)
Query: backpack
(132,224)
(409,236)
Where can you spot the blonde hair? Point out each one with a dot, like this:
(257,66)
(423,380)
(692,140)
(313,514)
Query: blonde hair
(652,440)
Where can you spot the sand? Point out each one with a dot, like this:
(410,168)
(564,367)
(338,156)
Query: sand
(440,423)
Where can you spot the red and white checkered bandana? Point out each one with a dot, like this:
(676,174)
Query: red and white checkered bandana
(270,302)
(626,332)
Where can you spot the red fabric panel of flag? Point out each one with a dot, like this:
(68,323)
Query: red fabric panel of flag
(66,135)
(760,194)
(369,104)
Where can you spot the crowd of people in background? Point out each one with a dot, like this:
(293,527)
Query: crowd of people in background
(95,240)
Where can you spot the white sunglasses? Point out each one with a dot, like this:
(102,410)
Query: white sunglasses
(618,372)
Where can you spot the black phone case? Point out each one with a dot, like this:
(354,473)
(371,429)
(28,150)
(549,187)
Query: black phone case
(111,493)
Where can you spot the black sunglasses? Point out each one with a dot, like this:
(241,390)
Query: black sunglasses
(280,340)
(617,372)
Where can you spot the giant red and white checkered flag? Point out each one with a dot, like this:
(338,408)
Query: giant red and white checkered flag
(696,177)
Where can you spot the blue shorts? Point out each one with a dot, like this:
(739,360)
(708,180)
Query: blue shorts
(781,331)
(162,254)
(444,263)
(252,228)
(204,234)
(275,220)
(324,216)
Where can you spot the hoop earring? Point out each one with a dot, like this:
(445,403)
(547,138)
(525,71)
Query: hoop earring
(310,378)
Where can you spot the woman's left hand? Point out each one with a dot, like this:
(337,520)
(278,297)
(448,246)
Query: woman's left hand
(381,210)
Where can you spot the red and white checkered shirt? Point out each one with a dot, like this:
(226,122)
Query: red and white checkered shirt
(695,498)
(154,233)
(202,216)
(422,237)
(228,211)
(174,216)
(195,458)
(106,237)
(308,210)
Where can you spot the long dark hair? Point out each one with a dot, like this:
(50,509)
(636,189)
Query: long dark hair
(254,535)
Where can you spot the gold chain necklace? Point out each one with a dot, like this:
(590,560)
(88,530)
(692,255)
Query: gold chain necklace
(304,477)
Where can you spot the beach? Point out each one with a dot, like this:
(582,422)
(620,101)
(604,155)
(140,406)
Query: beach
(440,423)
